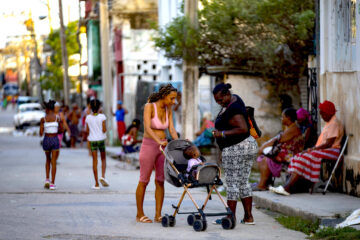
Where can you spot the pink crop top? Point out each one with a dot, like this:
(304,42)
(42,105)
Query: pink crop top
(156,123)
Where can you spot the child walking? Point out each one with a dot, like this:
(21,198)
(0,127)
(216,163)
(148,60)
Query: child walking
(96,130)
(51,125)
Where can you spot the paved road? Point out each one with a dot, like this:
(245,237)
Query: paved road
(74,211)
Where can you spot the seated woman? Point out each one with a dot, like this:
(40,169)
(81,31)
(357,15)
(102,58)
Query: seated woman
(290,142)
(307,127)
(306,165)
(129,139)
(204,135)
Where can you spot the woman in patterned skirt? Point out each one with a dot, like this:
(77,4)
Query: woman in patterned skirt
(239,149)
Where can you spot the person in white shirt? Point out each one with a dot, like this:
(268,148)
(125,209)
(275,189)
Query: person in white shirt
(96,130)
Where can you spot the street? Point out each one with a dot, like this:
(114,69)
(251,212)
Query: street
(74,211)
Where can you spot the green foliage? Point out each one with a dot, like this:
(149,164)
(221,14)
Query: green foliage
(53,77)
(270,37)
(298,224)
(346,233)
(174,42)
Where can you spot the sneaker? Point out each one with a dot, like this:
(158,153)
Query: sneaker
(217,222)
(103,182)
(279,190)
(52,187)
(47,183)
(95,187)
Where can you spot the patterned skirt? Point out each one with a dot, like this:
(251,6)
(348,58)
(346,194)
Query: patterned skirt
(237,161)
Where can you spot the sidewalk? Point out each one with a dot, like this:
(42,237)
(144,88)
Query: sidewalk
(329,209)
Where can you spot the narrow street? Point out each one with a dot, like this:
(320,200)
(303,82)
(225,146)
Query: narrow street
(74,211)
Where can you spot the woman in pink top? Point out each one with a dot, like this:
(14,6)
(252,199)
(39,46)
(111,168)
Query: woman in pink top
(157,118)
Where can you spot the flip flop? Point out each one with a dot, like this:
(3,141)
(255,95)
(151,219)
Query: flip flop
(144,219)
(158,219)
(247,223)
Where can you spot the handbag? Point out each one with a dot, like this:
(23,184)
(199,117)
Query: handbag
(254,129)
(274,151)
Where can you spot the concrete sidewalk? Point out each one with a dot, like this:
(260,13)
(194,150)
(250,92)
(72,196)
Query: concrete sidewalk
(329,209)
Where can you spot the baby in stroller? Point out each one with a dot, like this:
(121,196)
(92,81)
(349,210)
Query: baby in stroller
(192,153)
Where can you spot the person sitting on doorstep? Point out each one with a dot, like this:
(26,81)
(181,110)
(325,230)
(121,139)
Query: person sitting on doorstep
(307,127)
(290,143)
(306,165)
(130,138)
(204,135)
(192,153)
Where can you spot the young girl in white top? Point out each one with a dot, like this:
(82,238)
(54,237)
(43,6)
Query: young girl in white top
(96,130)
(51,126)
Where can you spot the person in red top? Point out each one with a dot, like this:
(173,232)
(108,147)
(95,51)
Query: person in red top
(306,165)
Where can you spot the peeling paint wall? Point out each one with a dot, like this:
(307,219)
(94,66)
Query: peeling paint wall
(344,90)
(340,77)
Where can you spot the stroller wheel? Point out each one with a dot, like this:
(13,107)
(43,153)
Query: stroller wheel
(204,225)
(165,221)
(233,222)
(198,225)
(172,221)
(191,219)
(226,223)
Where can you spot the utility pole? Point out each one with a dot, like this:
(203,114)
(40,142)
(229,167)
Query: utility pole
(80,51)
(106,67)
(64,55)
(49,15)
(189,99)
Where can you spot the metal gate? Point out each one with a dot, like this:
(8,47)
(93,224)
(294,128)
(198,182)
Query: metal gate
(312,90)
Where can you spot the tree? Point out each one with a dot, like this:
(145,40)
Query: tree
(53,77)
(271,38)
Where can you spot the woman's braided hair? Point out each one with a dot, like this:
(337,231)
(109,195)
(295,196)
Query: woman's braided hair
(162,93)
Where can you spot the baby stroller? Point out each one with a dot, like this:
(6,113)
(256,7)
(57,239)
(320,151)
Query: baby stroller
(207,175)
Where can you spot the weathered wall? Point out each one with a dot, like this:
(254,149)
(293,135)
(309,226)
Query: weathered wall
(343,89)
(264,98)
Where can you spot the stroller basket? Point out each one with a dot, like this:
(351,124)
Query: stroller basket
(207,175)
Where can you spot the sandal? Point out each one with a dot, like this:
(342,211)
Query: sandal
(247,223)
(143,219)
(158,219)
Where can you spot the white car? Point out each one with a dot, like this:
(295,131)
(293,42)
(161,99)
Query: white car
(28,114)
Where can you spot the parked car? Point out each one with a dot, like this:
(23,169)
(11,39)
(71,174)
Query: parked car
(26,99)
(10,89)
(28,114)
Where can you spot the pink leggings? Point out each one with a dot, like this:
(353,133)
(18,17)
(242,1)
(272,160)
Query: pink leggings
(151,157)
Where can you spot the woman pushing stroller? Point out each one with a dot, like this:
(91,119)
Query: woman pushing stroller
(158,117)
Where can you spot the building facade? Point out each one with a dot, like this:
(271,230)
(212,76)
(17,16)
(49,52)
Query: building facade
(339,77)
